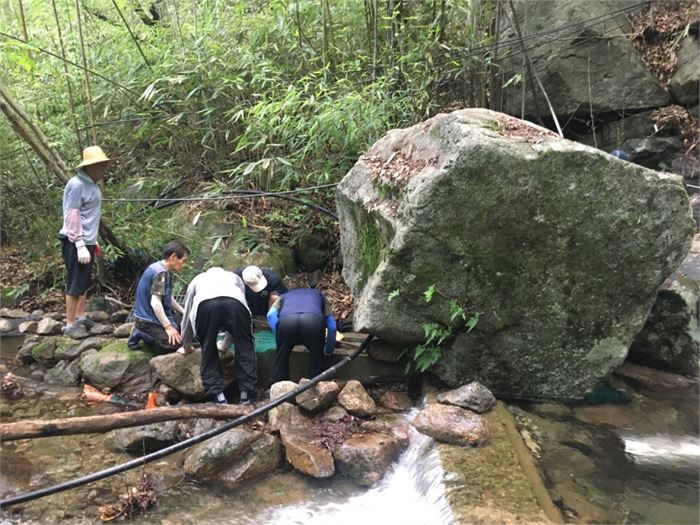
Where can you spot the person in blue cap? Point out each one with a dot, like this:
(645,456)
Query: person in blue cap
(301,317)
(620,154)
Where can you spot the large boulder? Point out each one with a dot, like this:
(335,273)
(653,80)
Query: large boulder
(586,68)
(366,457)
(553,248)
(116,365)
(181,372)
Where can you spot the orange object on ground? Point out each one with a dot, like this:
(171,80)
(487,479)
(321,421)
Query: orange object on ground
(151,403)
(92,395)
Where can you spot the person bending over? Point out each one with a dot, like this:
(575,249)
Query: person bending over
(262,288)
(215,301)
(301,317)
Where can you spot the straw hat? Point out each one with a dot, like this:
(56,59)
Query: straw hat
(93,155)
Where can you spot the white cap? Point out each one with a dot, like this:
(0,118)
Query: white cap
(254,278)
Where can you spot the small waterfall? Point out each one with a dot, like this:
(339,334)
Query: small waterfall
(411,493)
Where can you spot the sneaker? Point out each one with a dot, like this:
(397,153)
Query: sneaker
(220,399)
(246,397)
(75,331)
(86,322)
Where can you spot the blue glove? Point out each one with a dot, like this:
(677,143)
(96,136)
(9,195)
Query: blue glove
(330,339)
(273,319)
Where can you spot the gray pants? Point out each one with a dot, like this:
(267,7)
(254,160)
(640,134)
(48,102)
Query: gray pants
(226,313)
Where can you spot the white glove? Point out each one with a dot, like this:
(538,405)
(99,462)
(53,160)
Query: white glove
(83,253)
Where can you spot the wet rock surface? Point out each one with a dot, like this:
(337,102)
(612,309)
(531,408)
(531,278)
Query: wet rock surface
(452,424)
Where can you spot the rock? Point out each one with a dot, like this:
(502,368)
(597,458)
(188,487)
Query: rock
(685,83)
(116,365)
(44,352)
(281,388)
(6,326)
(311,250)
(355,399)
(593,70)
(37,314)
(181,372)
(170,395)
(67,349)
(13,313)
(89,343)
(234,456)
(474,396)
(665,341)
(104,329)
(123,330)
(319,397)
(384,351)
(119,316)
(99,316)
(28,327)
(64,373)
(279,414)
(452,424)
(48,326)
(303,450)
(557,308)
(395,401)
(366,457)
(24,354)
(143,439)
(652,151)
(335,413)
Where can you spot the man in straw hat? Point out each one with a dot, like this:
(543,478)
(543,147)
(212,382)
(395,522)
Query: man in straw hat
(82,207)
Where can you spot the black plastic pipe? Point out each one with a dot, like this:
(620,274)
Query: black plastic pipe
(117,469)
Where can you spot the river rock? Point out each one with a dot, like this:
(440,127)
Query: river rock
(452,424)
(99,316)
(64,373)
(181,372)
(6,326)
(281,388)
(534,233)
(48,326)
(118,317)
(685,82)
(319,397)
(116,365)
(102,329)
(13,313)
(474,396)
(28,327)
(366,457)
(355,399)
(143,439)
(90,343)
(335,413)
(395,401)
(44,352)
(123,330)
(304,451)
(24,354)
(234,456)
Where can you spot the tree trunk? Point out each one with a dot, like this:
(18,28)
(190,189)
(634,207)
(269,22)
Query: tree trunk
(35,138)
(95,424)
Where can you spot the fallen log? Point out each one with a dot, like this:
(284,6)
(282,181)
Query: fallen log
(34,428)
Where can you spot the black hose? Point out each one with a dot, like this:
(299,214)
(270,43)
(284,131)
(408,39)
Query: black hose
(95,476)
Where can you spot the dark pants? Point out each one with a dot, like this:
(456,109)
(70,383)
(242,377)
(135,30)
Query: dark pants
(78,276)
(299,329)
(155,334)
(226,313)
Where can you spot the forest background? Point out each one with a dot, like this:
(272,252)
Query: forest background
(202,97)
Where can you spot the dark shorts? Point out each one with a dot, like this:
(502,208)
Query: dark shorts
(78,276)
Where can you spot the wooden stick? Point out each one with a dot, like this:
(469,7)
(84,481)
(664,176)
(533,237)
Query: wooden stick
(95,424)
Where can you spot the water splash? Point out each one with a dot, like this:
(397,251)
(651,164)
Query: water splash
(411,493)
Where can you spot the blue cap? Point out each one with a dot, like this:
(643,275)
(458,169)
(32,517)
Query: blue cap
(620,154)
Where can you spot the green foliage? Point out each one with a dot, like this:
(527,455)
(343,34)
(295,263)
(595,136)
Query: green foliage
(393,294)
(428,353)
(15,293)
(236,94)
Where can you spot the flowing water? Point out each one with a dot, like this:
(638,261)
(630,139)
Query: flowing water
(411,493)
